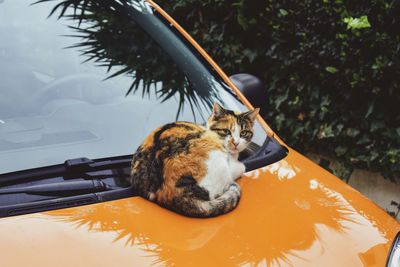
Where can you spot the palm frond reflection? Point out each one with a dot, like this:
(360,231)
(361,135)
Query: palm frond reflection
(178,240)
(110,36)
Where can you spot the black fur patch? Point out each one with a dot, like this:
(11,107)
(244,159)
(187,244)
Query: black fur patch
(186,180)
(191,188)
(157,140)
(141,180)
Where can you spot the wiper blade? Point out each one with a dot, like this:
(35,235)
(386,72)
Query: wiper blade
(70,167)
(64,188)
(77,182)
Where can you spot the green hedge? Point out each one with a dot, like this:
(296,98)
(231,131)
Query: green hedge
(331,67)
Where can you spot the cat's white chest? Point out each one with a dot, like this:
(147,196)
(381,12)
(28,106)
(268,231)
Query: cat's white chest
(222,169)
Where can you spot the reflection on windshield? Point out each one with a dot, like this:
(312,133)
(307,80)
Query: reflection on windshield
(128,36)
(63,91)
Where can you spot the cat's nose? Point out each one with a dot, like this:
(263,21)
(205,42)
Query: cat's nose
(235,144)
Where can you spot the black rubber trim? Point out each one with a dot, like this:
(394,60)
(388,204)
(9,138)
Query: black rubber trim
(270,152)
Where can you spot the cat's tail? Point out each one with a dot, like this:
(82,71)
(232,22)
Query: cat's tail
(196,207)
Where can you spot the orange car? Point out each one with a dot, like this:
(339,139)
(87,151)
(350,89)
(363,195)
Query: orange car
(67,135)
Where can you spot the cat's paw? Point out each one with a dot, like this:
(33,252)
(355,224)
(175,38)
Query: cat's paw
(234,191)
(234,187)
(151,196)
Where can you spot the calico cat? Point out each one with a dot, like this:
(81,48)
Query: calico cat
(192,169)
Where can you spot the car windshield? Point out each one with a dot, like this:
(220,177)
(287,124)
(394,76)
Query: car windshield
(94,80)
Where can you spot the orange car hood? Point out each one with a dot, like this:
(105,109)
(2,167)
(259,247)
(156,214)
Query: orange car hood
(291,213)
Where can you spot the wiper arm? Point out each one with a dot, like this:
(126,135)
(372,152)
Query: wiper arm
(77,182)
(70,167)
(64,188)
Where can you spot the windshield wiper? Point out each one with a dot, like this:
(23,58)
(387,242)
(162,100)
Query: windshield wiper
(63,188)
(70,168)
(77,182)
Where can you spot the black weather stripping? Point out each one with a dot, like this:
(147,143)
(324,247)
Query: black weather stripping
(270,152)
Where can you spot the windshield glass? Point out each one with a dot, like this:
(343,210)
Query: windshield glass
(95,82)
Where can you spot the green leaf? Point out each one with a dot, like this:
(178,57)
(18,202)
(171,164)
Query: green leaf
(252,21)
(296,100)
(280,99)
(364,139)
(357,23)
(339,128)
(341,36)
(325,132)
(376,125)
(331,69)
(329,132)
(283,12)
(340,150)
(242,21)
(370,109)
(352,132)
(251,55)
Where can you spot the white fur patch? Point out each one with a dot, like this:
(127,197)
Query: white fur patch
(222,169)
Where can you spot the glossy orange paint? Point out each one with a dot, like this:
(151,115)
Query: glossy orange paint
(292,213)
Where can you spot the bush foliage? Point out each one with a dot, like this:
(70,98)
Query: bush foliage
(331,67)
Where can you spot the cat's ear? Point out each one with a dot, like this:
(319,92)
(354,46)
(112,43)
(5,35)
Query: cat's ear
(252,114)
(218,112)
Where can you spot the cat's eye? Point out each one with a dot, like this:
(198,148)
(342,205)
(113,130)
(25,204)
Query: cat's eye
(223,132)
(244,133)
(226,131)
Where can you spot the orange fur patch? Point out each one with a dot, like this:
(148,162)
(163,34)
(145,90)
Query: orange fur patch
(149,141)
(192,163)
